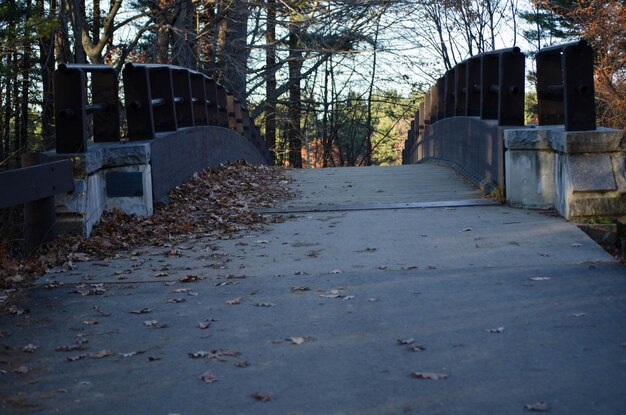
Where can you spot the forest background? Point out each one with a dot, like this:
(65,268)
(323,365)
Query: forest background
(331,83)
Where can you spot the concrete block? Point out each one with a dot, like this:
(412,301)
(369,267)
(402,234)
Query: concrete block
(138,205)
(602,140)
(596,206)
(591,172)
(537,138)
(79,211)
(619,170)
(530,178)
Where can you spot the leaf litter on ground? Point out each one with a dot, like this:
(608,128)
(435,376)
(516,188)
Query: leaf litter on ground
(215,203)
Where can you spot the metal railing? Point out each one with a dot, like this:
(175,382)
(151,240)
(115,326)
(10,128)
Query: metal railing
(158,98)
(492,86)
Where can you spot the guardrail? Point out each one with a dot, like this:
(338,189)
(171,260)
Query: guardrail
(158,98)
(35,186)
(490,88)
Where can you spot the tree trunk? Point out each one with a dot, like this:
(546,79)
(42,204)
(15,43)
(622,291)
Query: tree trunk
(46,63)
(270,78)
(95,33)
(235,48)
(294,130)
(26,59)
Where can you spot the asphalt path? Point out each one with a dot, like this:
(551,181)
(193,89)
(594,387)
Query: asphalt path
(388,290)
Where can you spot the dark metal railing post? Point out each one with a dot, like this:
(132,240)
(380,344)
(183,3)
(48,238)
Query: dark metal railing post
(70,100)
(511,87)
(199,98)
(489,78)
(214,113)
(163,105)
(441,98)
(181,83)
(222,102)
(460,89)
(565,88)
(450,94)
(472,87)
(72,109)
(139,111)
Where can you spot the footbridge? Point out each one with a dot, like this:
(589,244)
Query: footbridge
(377,290)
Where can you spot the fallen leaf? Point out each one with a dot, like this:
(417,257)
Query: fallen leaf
(30,348)
(131,354)
(72,348)
(300,340)
(428,375)
(176,300)
(262,241)
(300,289)
(154,324)
(537,407)
(22,370)
(198,355)
(17,311)
(208,377)
(191,278)
(142,311)
(77,357)
(235,277)
(162,274)
(204,325)
(234,301)
(152,359)
(101,354)
(406,341)
(262,396)
(416,347)
(496,330)
(90,322)
(242,363)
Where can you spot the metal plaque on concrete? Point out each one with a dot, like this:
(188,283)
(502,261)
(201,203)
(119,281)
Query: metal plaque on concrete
(124,184)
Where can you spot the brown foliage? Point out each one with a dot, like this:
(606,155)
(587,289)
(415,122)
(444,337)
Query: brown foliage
(603,24)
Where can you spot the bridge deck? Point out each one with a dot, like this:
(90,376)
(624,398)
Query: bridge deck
(348,284)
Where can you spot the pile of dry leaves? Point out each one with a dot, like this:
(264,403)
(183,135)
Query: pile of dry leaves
(215,203)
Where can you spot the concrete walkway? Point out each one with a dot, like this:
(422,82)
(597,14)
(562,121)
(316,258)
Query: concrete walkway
(515,307)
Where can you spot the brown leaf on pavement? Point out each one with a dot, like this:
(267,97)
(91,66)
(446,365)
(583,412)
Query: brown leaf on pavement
(262,396)
(415,347)
(21,370)
(144,310)
(299,340)
(234,301)
(100,354)
(537,407)
(299,289)
(208,377)
(191,278)
(428,375)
